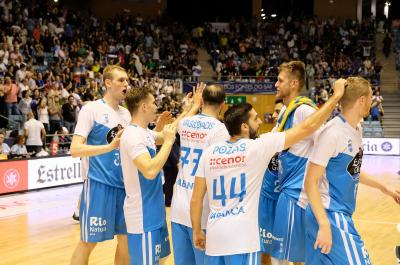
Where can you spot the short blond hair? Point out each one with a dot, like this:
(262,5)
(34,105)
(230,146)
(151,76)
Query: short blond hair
(356,87)
(108,71)
(296,69)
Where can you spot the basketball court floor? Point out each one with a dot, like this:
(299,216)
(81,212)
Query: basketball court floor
(37,228)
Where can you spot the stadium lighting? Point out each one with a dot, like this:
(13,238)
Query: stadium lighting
(262,9)
(263,18)
(55,1)
(273,15)
(262,15)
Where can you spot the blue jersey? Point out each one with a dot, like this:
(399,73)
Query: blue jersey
(339,148)
(144,202)
(270,187)
(292,161)
(99,123)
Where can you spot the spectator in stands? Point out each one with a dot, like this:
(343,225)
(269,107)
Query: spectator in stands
(387,42)
(43,113)
(35,134)
(4,148)
(69,114)
(19,149)
(55,111)
(11,91)
(376,107)
(3,110)
(196,71)
(24,105)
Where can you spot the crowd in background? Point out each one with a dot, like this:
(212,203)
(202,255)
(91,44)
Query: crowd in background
(51,59)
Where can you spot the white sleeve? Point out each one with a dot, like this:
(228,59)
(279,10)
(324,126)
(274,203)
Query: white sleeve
(324,147)
(220,135)
(301,114)
(270,143)
(134,145)
(85,122)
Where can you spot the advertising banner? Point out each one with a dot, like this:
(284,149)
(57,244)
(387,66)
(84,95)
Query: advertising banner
(55,171)
(381,146)
(238,87)
(13,176)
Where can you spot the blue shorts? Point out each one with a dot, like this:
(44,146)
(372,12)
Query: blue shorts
(238,259)
(101,212)
(347,246)
(266,216)
(184,251)
(148,248)
(289,231)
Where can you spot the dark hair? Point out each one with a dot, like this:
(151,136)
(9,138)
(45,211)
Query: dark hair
(235,116)
(277,101)
(135,96)
(213,95)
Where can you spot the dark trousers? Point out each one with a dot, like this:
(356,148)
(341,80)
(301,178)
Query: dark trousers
(33,148)
(170,174)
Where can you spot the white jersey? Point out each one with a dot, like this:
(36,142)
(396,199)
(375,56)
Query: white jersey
(144,202)
(196,134)
(99,123)
(339,148)
(234,174)
(34,128)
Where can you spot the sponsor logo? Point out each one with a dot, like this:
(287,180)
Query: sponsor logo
(97,225)
(113,132)
(11,178)
(230,149)
(193,135)
(354,166)
(227,160)
(58,173)
(273,165)
(230,212)
(386,146)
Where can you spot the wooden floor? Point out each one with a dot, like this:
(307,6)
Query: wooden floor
(36,227)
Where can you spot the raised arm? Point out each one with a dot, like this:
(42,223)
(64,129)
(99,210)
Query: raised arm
(312,123)
(150,167)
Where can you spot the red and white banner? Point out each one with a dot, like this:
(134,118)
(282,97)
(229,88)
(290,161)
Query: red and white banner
(13,176)
(23,175)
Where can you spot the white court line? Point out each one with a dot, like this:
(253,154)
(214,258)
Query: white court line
(377,222)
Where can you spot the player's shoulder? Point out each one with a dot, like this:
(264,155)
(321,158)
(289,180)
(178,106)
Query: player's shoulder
(305,108)
(91,106)
(332,127)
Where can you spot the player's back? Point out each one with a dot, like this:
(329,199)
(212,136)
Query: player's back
(234,172)
(196,134)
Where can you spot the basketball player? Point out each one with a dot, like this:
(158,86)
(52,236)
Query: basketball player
(269,195)
(144,206)
(332,179)
(196,133)
(96,139)
(289,232)
(232,172)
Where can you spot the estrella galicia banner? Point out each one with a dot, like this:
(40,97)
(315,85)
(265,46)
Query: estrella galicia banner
(238,87)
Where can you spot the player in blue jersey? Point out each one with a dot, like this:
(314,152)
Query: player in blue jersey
(331,183)
(144,205)
(232,173)
(196,133)
(269,195)
(96,140)
(289,232)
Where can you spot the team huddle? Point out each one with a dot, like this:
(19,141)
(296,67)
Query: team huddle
(239,197)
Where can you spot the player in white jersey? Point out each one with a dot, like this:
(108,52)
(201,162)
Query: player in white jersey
(332,178)
(96,138)
(144,205)
(232,172)
(289,231)
(196,133)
